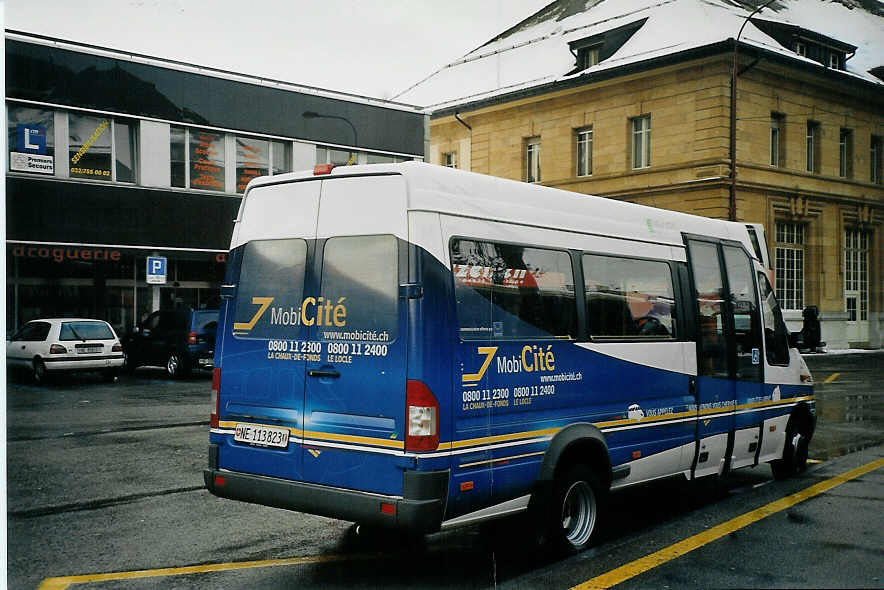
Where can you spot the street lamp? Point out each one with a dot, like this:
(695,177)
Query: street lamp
(315,115)
(732,200)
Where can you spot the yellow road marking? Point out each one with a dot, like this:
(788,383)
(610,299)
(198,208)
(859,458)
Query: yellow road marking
(832,377)
(61,583)
(648,562)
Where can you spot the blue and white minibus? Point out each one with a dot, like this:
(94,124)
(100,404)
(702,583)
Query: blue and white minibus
(418,347)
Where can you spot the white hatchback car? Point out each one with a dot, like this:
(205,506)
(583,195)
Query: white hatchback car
(53,346)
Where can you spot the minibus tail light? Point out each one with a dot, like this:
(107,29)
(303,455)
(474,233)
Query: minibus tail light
(216,393)
(422,416)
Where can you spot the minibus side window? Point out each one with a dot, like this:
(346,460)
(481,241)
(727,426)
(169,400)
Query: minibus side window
(709,285)
(744,301)
(359,290)
(270,289)
(776,335)
(506,291)
(628,298)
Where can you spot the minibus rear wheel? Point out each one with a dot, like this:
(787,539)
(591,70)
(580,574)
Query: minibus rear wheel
(574,512)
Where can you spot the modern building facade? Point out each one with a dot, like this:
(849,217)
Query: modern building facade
(115,157)
(631,99)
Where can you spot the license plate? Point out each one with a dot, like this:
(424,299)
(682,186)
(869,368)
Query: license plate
(89,349)
(205,362)
(261,435)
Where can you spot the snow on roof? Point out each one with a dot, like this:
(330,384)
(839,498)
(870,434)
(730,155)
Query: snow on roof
(536,51)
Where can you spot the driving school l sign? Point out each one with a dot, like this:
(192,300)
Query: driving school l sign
(156,270)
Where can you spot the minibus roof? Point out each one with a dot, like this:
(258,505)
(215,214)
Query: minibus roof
(455,192)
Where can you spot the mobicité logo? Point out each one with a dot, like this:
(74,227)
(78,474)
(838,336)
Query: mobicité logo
(319,311)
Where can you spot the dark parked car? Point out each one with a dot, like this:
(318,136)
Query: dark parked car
(179,340)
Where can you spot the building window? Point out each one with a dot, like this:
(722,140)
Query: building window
(197,158)
(584,151)
(31,140)
(101,148)
(790,264)
(813,146)
(777,145)
(834,61)
(856,275)
(281,156)
(177,141)
(875,158)
(252,160)
(328,155)
(449,159)
(641,141)
(801,49)
(124,150)
(588,57)
(532,160)
(845,153)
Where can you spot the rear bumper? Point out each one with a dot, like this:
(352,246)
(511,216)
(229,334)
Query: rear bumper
(83,363)
(420,511)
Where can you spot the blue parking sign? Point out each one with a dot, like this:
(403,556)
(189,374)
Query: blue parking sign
(156,270)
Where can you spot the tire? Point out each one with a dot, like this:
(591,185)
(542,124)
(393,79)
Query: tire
(795,451)
(129,363)
(176,366)
(38,372)
(574,513)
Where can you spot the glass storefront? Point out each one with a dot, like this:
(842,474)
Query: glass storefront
(105,283)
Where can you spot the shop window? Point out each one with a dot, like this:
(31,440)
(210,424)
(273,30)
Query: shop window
(532,159)
(584,151)
(31,140)
(789,264)
(206,157)
(252,160)
(89,146)
(641,141)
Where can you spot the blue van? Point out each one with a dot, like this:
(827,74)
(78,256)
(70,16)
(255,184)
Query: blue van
(418,347)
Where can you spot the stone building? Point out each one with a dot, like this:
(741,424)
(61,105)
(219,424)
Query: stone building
(631,99)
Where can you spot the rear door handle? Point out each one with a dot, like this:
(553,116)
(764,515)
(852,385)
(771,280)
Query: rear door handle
(323,373)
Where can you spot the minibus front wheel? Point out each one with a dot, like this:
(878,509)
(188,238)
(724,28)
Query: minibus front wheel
(574,511)
(798,434)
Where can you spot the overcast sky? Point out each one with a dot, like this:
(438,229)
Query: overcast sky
(371,47)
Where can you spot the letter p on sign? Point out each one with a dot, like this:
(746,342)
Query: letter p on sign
(156,270)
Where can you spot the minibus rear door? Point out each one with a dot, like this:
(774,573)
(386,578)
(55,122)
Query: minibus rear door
(261,364)
(354,397)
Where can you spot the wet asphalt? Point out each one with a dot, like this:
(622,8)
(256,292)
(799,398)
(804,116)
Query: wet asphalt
(107,478)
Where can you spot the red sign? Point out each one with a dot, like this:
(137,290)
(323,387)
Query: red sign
(60,254)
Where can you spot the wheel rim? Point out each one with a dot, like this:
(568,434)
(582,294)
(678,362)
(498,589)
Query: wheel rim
(172,364)
(578,513)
